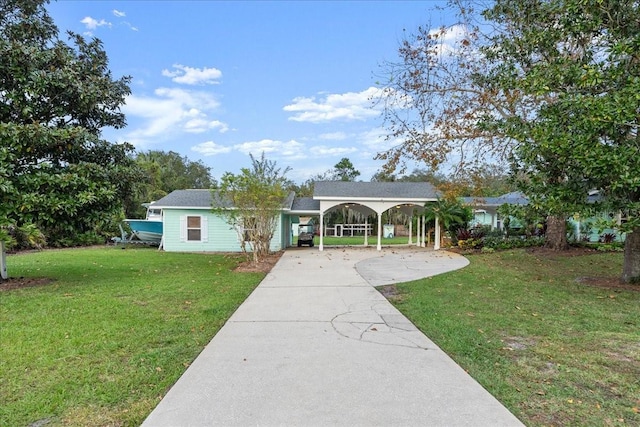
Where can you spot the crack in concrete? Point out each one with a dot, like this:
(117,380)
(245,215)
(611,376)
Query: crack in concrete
(386,329)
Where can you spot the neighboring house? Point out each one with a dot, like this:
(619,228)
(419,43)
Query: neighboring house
(190,225)
(485,210)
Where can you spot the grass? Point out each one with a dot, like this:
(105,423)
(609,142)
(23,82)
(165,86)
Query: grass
(553,350)
(357,240)
(104,341)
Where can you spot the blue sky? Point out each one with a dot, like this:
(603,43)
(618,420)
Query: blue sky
(215,80)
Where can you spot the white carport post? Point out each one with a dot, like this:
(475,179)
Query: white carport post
(379,247)
(422,232)
(436,243)
(408,210)
(366,231)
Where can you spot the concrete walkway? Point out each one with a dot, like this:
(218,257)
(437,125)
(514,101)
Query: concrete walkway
(316,345)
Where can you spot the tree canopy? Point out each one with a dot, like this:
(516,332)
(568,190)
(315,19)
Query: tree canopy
(344,171)
(550,86)
(165,172)
(55,97)
(257,196)
(582,58)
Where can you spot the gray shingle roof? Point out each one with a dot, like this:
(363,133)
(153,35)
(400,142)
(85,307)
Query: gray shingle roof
(356,190)
(514,198)
(305,204)
(193,198)
(201,198)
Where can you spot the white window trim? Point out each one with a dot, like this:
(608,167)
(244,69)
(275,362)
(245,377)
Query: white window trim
(204,229)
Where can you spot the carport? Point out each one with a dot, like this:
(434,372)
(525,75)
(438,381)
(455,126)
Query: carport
(371,198)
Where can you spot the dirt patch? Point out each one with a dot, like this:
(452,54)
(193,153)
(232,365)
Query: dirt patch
(390,292)
(264,266)
(571,252)
(518,343)
(613,283)
(24,282)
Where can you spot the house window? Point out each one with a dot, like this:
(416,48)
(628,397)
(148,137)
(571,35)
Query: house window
(194,228)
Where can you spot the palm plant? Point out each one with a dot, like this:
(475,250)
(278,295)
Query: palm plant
(450,213)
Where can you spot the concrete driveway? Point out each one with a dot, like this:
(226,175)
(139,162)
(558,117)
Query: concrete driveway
(316,345)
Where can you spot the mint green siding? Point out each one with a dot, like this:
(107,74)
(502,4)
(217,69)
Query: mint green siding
(216,234)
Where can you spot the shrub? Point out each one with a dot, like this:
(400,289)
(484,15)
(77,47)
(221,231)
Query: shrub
(463,234)
(502,243)
(608,238)
(470,243)
(609,248)
(479,232)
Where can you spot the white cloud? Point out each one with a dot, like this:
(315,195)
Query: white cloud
(333,136)
(128,24)
(324,151)
(289,150)
(347,106)
(91,23)
(169,111)
(193,76)
(200,125)
(376,141)
(118,13)
(210,148)
(449,38)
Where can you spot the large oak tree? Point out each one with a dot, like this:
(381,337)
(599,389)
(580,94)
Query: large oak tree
(55,97)
(584,55)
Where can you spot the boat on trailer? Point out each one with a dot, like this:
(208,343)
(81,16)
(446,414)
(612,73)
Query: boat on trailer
(148,230)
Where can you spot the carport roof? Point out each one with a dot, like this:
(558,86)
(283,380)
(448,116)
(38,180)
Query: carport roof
(374,190)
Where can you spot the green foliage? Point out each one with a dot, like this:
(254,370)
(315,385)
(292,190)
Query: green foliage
(451,215)
(504,243)
(26,237)
(165,172)
(344,171)
(578,64)
(257,196)
(55,171)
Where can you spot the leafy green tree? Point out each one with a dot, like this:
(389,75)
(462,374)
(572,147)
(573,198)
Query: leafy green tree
(482,180)
(451,214)
(583,58)
(345,171)
(384,176)
(165,172)
(257,196)
(55,171)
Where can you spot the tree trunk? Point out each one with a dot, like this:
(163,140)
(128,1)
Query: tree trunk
(556,235)
(631,266)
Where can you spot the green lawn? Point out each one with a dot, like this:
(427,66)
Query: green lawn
(358,241)
(553,350)
(101,344)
